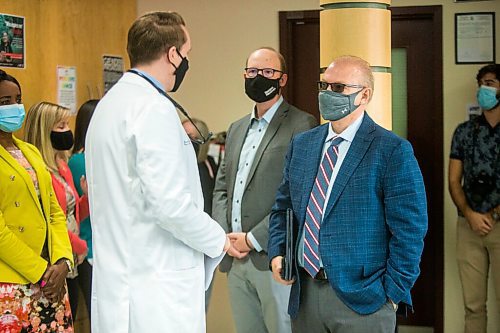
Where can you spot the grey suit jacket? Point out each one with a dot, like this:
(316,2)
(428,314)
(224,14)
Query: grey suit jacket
(263,181)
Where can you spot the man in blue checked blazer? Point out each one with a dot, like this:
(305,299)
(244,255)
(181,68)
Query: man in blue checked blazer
(360,213)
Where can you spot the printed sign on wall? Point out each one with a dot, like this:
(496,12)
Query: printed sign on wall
(66,87)
(112,69)
(12,41)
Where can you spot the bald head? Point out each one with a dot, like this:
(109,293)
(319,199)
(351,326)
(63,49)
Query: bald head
(361,72)
(270,55)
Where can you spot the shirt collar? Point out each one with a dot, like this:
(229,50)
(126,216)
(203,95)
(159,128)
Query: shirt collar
(348,134)
(268,116)
(155,81)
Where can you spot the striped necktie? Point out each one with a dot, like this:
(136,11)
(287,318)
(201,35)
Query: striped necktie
(315,206)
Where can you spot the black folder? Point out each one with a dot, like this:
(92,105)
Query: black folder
(287,264)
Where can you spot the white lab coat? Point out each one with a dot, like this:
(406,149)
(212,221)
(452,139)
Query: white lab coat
(150,233)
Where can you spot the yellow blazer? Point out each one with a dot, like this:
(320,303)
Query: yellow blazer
(26,221)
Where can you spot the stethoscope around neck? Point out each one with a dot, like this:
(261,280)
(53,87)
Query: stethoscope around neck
(203,139)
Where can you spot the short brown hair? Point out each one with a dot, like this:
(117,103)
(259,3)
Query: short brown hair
(153,34)
(491,68)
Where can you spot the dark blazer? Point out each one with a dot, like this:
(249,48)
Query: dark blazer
(264,178)
(207,183)
(373,229)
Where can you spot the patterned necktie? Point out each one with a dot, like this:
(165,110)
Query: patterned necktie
(315,206)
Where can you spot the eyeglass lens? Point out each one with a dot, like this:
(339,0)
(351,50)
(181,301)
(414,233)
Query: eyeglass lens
(336,87)
(266,72)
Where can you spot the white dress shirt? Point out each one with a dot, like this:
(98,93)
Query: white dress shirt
(348,135)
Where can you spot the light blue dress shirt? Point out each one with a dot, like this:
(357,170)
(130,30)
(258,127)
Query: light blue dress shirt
(155,81)
(256,131)
(348,135)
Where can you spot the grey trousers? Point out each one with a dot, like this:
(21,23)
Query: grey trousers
(322,311)
(259,303)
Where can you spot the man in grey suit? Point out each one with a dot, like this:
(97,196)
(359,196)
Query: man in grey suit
(245,189)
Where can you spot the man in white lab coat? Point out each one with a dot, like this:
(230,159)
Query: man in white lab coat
(150,234)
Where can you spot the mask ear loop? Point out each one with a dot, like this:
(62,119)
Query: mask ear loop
(350,96)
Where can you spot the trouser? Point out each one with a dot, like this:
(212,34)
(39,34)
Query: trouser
(322,311)
(475,255)
(259,304)
(84,282)
(208,294)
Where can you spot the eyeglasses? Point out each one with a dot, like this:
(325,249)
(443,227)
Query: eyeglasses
(336,87)
(252,72)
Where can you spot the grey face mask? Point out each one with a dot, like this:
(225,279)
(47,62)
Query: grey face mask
(335,106)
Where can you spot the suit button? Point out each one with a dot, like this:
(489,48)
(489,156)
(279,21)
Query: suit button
(21,229)
(12,177)
(17,203)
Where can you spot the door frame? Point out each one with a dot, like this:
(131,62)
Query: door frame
(286,20)
(433,13)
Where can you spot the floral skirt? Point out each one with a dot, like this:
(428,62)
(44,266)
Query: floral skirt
(24,309)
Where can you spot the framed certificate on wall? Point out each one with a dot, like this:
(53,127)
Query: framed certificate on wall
(475,38)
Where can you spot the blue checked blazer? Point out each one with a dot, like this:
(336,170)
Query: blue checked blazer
(373,229)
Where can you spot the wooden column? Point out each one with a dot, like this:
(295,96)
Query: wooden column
(363,29)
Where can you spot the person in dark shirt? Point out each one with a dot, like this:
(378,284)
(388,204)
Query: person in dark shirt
(474,185)
(206,164)
(207,169)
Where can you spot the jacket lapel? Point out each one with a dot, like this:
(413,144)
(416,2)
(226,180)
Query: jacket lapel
(357,150)
(271,131)
(239,133)
(21,171)
(313,154)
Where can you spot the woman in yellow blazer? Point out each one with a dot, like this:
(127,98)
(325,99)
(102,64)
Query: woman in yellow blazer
(35,252)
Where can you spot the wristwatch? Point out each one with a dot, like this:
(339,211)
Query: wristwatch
(70,265)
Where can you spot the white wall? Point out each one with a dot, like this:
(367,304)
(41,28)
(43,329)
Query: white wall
(224,32)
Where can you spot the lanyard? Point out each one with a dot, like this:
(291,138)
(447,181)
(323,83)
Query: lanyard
(201,141)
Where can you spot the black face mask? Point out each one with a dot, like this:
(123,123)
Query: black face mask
(61,140)
(180,72)
(261,89)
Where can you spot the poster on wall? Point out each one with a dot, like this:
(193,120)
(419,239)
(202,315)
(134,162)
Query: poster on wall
(12,41)
(66,87)
(475,38)
(112,70)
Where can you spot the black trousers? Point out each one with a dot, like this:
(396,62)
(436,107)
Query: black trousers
(84,282)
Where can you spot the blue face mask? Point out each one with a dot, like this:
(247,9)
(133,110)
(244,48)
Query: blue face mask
(487,97)
(11,117)
(335,106)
